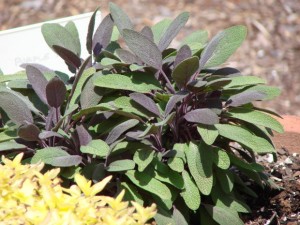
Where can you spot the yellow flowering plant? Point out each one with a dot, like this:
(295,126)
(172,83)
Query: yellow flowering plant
(27,196)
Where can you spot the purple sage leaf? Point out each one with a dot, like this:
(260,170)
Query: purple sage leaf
(173,30)
(103,33)
(179,96)
(117,131)
(37,81)
(29,132)
(91,27)
(83,135)
(183,53)
(67,55)
(145,102)
(147,32)
(56,92)
(245,98)
(143,48)
(203,116)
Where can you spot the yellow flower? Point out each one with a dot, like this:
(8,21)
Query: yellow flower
(29,197)
(86,187)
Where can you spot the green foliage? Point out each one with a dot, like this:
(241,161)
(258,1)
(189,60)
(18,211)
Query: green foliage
(165,122)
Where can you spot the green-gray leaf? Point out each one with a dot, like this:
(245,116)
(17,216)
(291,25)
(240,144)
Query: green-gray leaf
(208,133)
(243,81)
(222,46)
(96,147)
(190,194)
(121,165)
(14,106)
(144,48)
(143,157)
(55,156)
(256,117)
(142,84)
(224,216)
(193,159)
(221,158)
(160,28)
(245,137)
(11,146)
(149,184)
(55,34)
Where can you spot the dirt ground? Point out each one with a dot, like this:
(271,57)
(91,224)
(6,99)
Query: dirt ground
(272,51)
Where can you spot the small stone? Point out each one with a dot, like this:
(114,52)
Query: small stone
(288,161)
(270,158)
(295,154)
(296,174)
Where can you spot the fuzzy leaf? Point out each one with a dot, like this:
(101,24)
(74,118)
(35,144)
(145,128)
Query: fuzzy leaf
(56,92)
(89,37)
(159,29)
(84,136)
(143,48)
(226,201)
(67,55)
(17,76)
(55,156)
(82,80)
(245,137)
(226,180)
(242,81)
(176,164)
(204,184)
(224,216)
(71,27)
(103,33)
(256,117)
(120,129)
(15,107)
(121,165)
(202,116)
(126,56)
(179,96)
(143,157)
(173,30)
(91,95)
(150,184)
(190,194)
(132,193)
(29,132)
(147,32)
(271,92)
(208,133)
(55,34)
(183,53)
(245,98)
(178,218)
(47,134)
(96,147)
(200,37)
(37,81)
(141,84)
(145,102)
(11,146)
(185,70)
(120,18)
(165,174)
(222,46)
(221,158)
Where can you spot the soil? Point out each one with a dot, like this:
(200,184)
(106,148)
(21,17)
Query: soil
(272,51)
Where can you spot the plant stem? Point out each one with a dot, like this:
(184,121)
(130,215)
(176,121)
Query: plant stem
(168,81)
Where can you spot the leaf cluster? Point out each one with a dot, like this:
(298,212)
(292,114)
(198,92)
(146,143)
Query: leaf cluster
(170,124)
